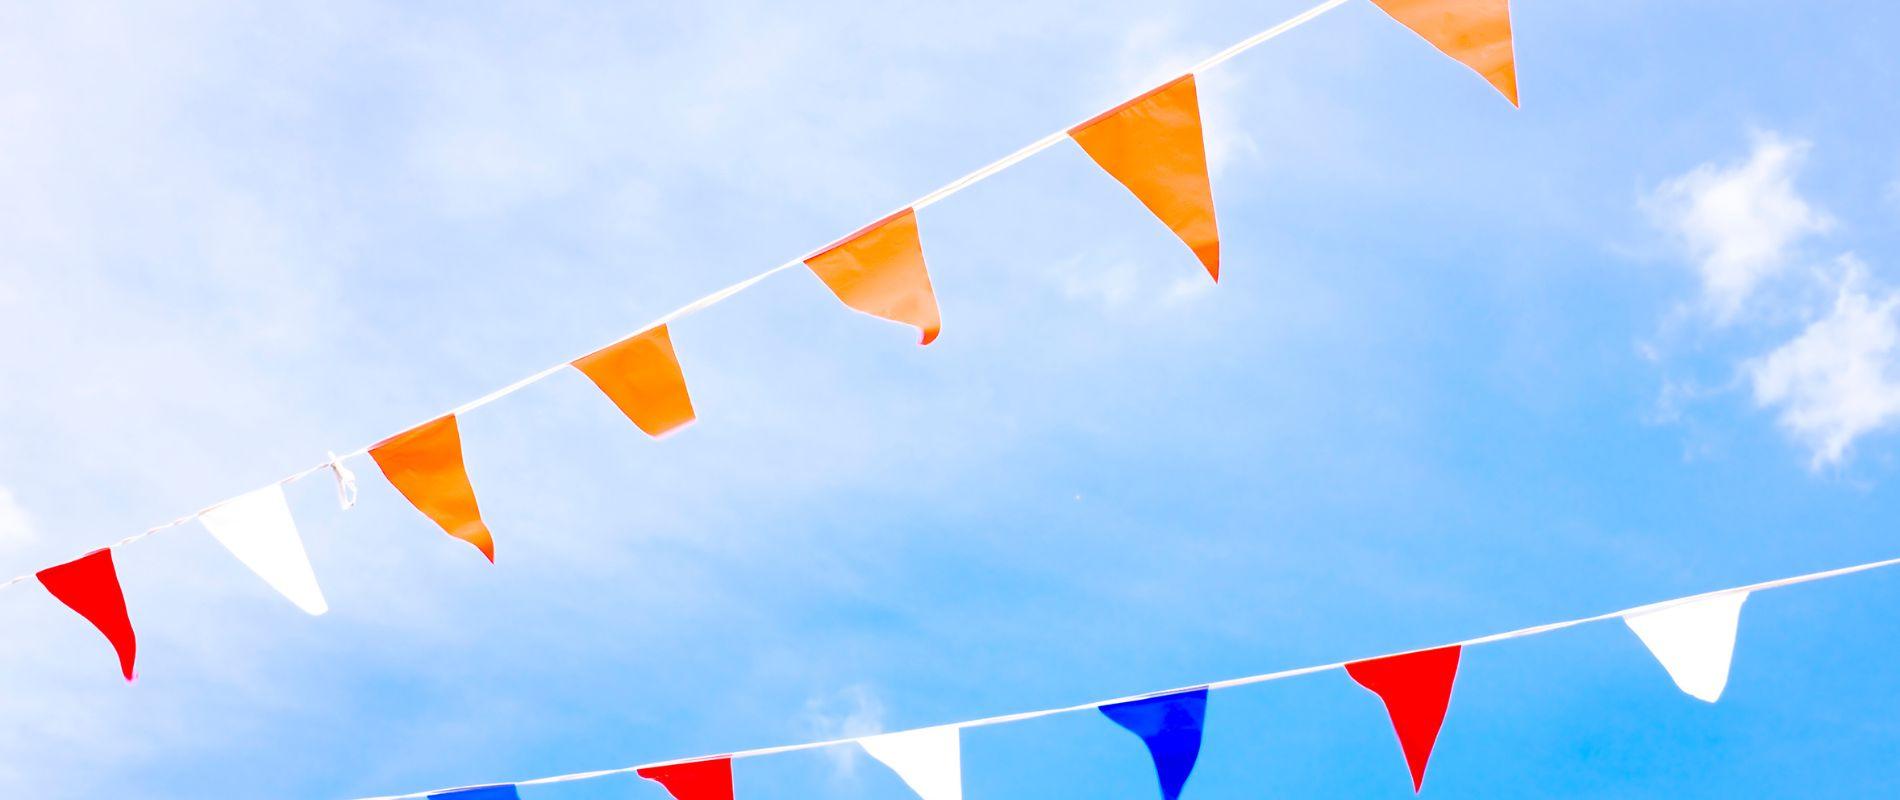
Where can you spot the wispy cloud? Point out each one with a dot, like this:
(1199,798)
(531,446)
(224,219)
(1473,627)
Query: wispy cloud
(1740,222)
(1126,287)
(846,714)
(16,528)
(1836,381)
(1742,226)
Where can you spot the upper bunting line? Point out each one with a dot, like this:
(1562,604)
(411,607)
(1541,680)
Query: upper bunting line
(929,198)
(1264,677)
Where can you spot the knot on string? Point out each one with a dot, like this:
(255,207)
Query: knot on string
(345,483)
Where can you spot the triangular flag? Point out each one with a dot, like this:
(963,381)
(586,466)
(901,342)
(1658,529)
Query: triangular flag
(1694,641)
(1171,726)
(880,271)
(710,779)
(1416,688)
(1475,32)
(425,464)
(642,376)
(1152,144)
(257,528)
(90,585)
(930,760)
(505,791)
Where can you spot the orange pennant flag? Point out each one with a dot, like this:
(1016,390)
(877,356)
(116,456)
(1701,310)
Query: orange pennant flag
(1476,32)
(642,376)
(425,464)
(880,271)
(1153,145)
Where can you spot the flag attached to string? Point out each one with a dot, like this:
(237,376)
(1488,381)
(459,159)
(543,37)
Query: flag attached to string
(642,376)
(710,779)
(258,530)
(1153,145)
(1170,725)
(880,271)
(501,791)
(1416,689)
(89,585)
(1695,641)
(425,464)
(930,760)
(1475,32)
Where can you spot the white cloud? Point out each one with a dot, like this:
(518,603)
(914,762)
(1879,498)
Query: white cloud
(1835,377)
(1128,287)
(1836,381)
(846,714)
(1740,222)
(16,528)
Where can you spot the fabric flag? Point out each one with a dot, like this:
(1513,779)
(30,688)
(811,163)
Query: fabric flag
(1475,32)
(1152,145)
(1416,688)
(710,779)
(642,376)
(929,760)
(1694,641)
(505,791)
(880,271)
(89,585)
(425,464)
(1171,726)
(257,528)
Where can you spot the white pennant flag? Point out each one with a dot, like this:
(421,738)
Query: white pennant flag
(257,528)
(929,759)
(1694,641)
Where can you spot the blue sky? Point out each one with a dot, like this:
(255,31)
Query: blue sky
(1468,369)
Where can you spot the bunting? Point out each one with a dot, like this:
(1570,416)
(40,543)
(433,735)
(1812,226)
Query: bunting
(1416,689)
(1153,145)
(710,779)
(880,271)
(89,585)
(258,530)
(1694,641)
(641,375)
(929,760)
(425,465)
(1475,32)
(1170,725)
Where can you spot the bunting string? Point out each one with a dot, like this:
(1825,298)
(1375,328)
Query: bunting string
(335,463)
(1627,614)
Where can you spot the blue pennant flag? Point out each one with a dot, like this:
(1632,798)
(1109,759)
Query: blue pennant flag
(1171,725)
(505,791)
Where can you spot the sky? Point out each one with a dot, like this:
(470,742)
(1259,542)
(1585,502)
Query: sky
(1469,368)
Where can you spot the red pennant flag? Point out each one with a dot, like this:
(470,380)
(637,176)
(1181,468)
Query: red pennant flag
(695,780)
(1475,32)
(89,585)
(642,376)
(425,464)
(1153,145)
(1416,688)
(880,271)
